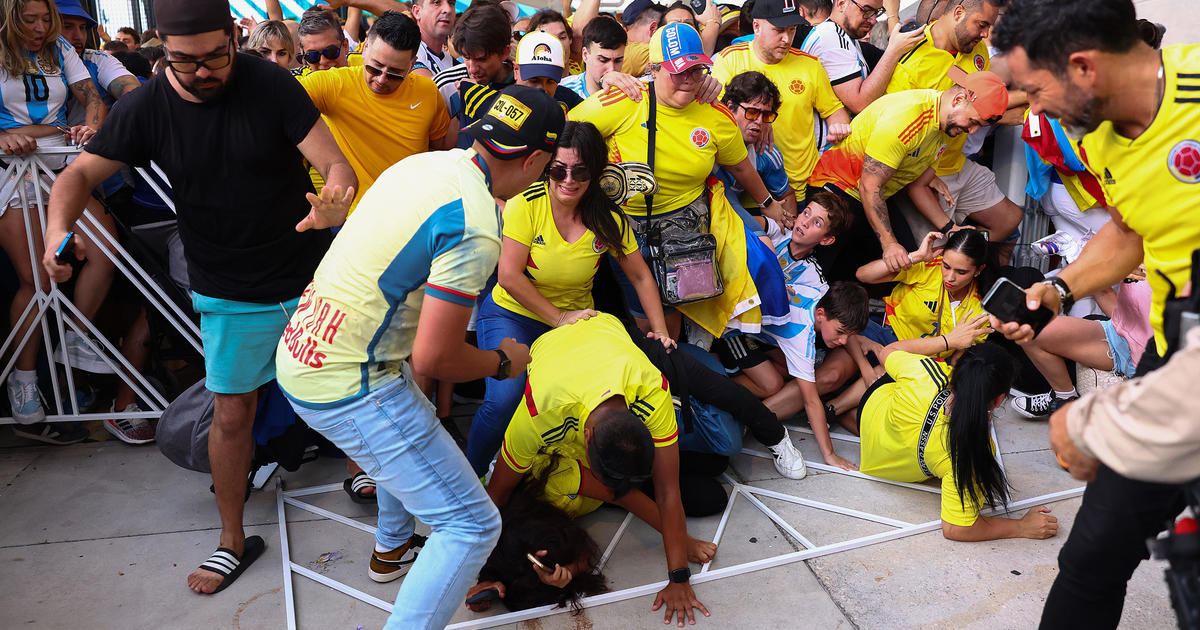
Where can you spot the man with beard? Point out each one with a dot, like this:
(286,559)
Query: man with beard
(230,131)
(836,43)
(1083,62)
(956,39)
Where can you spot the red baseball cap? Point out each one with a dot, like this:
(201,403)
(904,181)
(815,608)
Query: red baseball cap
(985,90)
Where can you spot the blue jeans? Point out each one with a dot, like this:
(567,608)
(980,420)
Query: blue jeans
(501,398)
(394,434)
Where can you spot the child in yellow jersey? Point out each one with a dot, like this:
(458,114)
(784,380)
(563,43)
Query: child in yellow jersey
(556,234)
(925,420)
(936,295)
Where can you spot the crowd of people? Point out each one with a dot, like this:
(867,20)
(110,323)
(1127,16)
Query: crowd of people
(648,235)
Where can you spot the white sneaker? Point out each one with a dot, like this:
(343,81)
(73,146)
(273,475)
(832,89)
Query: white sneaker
(25,400)
(81,355)
(788,460)
(130,430)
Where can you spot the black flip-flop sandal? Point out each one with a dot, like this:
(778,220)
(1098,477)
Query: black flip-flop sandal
(355,486)
(229,566)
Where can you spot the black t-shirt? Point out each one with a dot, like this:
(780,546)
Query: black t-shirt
(239,181)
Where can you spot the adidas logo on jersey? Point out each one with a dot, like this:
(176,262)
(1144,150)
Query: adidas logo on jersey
(537,240)
(1108,178)
(932,306)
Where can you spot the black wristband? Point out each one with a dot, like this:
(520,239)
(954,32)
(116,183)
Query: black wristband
(1065,297)
(680,576)
(945,229)
(504,369)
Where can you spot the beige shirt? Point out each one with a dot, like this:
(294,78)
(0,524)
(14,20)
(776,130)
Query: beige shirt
(1146,428)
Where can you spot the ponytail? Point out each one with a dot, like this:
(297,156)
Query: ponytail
(983,372)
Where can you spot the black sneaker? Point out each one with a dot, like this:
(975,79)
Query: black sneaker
(1038,405)
(56,433)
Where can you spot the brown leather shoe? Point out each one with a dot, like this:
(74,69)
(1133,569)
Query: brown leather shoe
(390,565)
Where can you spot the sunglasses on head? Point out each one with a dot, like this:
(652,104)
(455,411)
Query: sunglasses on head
(558,172)
(391,76)
(329,52)
(752,113)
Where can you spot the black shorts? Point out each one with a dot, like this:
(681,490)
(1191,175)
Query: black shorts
(738,353)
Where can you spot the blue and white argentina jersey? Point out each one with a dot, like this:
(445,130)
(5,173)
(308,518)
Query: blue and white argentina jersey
(796,333)
(40,95)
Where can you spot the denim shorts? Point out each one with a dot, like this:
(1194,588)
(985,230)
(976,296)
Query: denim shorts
(239,341)
(1118,350)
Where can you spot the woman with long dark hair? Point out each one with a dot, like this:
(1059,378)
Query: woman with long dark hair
(938,293)
(555,234)
(926,419)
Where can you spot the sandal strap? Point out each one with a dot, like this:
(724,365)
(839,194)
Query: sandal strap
(223,562)
(360,482)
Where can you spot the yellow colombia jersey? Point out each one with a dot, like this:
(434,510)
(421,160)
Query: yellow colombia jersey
(563,485)
(373,130)
(358,317)
(562,272)
(891,424)
(690,140)
(911,309)
(637,58)
(574,369)
(803,87)
(1154,180)
(899,130)
(924,68)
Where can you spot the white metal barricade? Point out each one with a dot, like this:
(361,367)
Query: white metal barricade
(48,298)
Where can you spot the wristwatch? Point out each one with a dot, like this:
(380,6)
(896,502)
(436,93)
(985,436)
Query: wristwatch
(1066,299)
(950,225)
(505,367)
(680,576)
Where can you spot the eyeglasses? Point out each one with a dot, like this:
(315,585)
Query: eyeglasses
(695,73)
(868,12)
(752,113)
(391,76)
(329,52)
(558,172)
(517,35)
(215,62)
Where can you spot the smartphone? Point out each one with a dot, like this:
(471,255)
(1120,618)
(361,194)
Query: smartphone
(1006,301)
(698,6)
(488,595)
(65,254)
(534,559)
(910,26)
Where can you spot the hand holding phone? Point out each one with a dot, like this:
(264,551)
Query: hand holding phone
(1007,303)
(65,253)
(536,561)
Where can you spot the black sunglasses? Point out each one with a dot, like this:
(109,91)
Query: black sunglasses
(517,35)
(752,113)
(579,172)
(330,53)
(189,66)
(391,76)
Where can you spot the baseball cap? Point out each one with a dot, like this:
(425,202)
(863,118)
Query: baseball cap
(677,47)
(540,55)
(189,17)
(780,13)
(985,90)
(72,8)
(635,8)
(520,120)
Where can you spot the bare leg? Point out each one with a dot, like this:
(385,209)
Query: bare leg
(1080,340)
(95,278)
(134,348)
(787,402)
(763,380)
(353,469)
(1000,221)
(837,368)
(230,447)
(14,243)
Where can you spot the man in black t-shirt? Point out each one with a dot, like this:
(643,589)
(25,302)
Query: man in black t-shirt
(231,132)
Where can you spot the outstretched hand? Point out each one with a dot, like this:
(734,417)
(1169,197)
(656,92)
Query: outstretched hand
(328,210)
(679,599)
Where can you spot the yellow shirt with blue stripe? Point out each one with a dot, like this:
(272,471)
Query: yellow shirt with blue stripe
(891,423)
(913,308)
(562,272)
(429,226)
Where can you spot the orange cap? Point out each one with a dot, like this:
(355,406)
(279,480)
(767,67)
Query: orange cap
(985,90)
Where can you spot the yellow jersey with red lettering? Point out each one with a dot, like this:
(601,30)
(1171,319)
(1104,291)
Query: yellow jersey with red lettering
(900,130)
(913,308)
(562,272)
(690,141)
(803,90)
(573,369)
(924,68)
(1153,180)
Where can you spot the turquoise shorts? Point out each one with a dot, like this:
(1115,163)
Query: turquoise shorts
(1118,349)
(239,341)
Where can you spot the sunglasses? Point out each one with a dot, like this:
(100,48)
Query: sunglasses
(558,172)
(517,35)
(391,76)
(215,62)
(329,52)
(752,113)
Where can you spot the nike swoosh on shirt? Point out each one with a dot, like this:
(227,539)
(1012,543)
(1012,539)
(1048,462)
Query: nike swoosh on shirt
(415,105)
